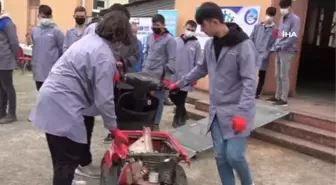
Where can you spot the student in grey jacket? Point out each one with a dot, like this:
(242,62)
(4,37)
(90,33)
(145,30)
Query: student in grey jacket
(263,39)
(9,49)
(285,48)
(47,45)
(75,33)
(230,61)
(81,78)
(160,56)
(188,54)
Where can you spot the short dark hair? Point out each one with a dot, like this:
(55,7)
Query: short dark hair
(285,3)
(271,11)
(192,23)
(80,9)
(45,9)
(208,11)
(120,7)
(158,18)
(115,27)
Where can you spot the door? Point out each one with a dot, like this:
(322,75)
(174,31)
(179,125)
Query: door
(300,9)
(33,6)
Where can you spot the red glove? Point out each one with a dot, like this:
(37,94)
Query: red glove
(194,83)
(172,87)
(119,137)
(116,77)
(238,124)
(166,83)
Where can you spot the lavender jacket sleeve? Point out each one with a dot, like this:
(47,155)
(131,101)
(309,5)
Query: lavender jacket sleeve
(171,55)
(103,89)
(59,40)
(247,72)
(295,28)
(10,31)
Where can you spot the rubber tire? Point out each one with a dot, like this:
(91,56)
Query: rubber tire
(180,176)
(109,176)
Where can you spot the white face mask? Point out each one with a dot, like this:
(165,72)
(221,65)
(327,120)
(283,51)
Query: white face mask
(284,11)
(45,21)
(269,19)
(188,33)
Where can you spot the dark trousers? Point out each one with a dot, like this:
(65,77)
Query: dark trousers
(38,85)
(179,99)
(7,92)
(86,158)
(66,154)
(261,82)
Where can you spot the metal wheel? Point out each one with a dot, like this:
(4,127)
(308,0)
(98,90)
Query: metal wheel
(109,176)
(180,176)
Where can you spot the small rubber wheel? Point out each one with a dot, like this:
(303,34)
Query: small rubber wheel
(109,176)
(180,176)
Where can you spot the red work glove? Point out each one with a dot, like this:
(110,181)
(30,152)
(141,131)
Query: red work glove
(166,83)
(116,77)
(194,83)
(238,124)
(119,137)
(172,86)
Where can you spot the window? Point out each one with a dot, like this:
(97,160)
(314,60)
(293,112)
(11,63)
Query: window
(332,38)
(319,29)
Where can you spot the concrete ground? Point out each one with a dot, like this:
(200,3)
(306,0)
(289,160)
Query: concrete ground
(24,156)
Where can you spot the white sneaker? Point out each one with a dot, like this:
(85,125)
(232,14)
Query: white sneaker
(89,171)
(78,182)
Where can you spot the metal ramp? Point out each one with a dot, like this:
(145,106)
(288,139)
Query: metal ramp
(193,136)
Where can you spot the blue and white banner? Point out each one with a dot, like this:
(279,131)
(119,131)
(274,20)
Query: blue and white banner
(144,28)
(245,16)
(170,20)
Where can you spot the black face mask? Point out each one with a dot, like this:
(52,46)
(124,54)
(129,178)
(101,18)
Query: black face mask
(156,30)
(80,20)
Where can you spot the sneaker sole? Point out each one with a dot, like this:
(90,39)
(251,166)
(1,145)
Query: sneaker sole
(80,173)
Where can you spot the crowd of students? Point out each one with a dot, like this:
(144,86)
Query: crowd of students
(73,74)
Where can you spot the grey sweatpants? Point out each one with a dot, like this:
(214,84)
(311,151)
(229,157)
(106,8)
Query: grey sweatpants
(282,66)
(7,92)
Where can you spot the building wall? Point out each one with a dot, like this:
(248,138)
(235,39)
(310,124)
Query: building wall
(186,10)
(18,12)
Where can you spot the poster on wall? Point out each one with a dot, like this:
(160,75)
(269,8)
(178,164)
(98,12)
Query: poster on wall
(245,16)
(144,28)
(170,20)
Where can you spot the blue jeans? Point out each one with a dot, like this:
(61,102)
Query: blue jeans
(159,94)
(230,155)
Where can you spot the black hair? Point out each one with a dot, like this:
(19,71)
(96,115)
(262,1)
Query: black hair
(120,7)
(45,9)
(103,12)
(158,18)
(192,23)
(208,11)
(271,11)
(115,27)
(0,6)
(285,3)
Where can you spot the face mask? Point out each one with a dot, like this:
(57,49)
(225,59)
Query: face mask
(269,19)
(45,21)
(188,33)
(284,11)
(156,30)
(80,20)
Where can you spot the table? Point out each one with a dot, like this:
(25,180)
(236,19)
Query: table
(27,50)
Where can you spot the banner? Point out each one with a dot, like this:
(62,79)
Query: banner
(245,16)
(170,20)
(144,28)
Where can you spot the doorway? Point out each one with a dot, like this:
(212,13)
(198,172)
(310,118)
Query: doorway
(316,76)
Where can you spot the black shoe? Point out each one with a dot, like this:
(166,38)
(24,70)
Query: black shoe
(272,99)
(280,103)
(108,139)
(175,121)
(156,128)
(257,96)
